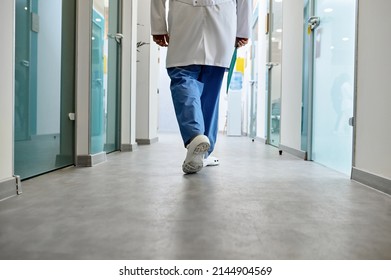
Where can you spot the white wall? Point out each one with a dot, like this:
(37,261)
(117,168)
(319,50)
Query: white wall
(154,72)
(223,106)
(49,67)
(373,129)
(292,69)
(129,73)
(83,50)
(6,89)
(261,99)
(148,76)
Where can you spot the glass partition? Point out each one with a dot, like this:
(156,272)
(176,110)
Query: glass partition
(274,72)
(105,52)
(333,79)
(44,86)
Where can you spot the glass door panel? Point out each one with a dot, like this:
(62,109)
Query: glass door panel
(333,79)
(41,101)
(254,81)
(97,84)
(274,69)
(22,69)
(105,57)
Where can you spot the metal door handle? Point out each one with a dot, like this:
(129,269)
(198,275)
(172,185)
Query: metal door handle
(313,22)
(270,65)
(117,37)
(25,63)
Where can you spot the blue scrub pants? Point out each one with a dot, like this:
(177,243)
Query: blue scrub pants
(195,91)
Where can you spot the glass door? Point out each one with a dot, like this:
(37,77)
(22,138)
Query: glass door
(333,65)
(44,85)
(254,78)
(274,71)
(97,87)
(105,65)
(22,69)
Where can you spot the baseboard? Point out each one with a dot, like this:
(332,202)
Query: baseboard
(129,147)
(292,151)
(147,141)
(91,160)
(7,188)
(371,180)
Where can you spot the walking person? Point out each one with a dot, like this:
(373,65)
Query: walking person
(201,36)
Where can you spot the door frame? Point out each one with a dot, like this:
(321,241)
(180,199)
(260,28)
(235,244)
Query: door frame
(270,65)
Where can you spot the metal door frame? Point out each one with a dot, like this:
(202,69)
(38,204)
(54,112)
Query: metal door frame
(270,65)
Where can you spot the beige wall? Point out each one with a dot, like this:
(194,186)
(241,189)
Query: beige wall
(292,65)
(261,101)
(373,127)
(83,50)
(129,69)
(148,77)
(6,89)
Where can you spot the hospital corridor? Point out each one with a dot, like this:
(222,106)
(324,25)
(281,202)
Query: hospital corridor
(93,165)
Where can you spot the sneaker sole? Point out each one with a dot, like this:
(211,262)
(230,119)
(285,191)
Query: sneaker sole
(196,163)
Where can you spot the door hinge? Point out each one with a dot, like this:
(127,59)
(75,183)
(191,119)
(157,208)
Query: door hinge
(18,184)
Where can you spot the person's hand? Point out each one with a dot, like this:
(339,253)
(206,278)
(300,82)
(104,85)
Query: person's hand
(240,42)
(161,40)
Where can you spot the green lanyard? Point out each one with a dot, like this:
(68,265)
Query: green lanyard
(232,67)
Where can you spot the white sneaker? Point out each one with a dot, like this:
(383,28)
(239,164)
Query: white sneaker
(195,154)
(211,161)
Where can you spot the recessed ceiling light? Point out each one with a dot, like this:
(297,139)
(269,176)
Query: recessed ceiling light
(328,10)
(345,39)
(279,30)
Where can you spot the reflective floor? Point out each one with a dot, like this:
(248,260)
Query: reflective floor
(139,205)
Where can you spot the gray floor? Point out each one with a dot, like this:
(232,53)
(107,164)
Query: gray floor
(255,205)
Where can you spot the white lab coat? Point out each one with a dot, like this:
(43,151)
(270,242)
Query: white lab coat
(201,31)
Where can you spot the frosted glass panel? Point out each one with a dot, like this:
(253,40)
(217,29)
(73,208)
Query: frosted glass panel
(334,50)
